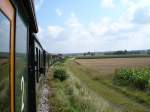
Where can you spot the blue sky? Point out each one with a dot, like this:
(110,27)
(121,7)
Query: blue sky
(67,26)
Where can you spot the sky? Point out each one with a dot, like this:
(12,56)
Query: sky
(72,26)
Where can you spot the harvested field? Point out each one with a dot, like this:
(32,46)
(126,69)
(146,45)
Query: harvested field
(107,66)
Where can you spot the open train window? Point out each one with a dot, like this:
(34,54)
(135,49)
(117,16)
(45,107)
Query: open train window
(4,63)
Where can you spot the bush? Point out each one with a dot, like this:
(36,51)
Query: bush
(138,78)
(60,73)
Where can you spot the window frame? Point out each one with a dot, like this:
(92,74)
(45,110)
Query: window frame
(9,10)
(2,12)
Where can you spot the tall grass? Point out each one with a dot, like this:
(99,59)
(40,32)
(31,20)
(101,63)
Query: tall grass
(71,95)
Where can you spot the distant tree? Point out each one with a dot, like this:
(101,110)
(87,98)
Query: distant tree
(125,51)
(108,53)
(88,53)
(92,54)
(120,52)
(84,54)
(148,51)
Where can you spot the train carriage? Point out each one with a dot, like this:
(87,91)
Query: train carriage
(23,61)
(17,25)
(37,62)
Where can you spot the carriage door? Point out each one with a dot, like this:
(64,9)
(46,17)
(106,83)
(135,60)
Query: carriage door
(6,56)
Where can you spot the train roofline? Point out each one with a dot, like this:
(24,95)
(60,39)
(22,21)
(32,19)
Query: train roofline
(37,40)
(29,9)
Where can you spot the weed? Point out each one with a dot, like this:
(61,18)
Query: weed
(60,73)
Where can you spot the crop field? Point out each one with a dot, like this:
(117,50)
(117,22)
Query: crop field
(107,66)
(133,72)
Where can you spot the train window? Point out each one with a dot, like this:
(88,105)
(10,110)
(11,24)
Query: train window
(36,67)
(39,61)
(21,71)
(41,58)
(35,58)
(4,63)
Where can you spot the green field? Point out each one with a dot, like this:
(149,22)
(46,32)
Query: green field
(89,90)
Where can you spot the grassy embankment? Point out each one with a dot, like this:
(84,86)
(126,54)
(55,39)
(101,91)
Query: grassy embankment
(72,95)
(86,90)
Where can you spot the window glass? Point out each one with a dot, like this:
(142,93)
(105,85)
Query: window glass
(36,67)
(4,62)
(21,66)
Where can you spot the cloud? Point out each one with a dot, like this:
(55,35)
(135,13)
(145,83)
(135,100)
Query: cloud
(38,4)
(73,22)
(107,3)
(121,26)
(129,31)
(54,31)
(99,29)
(137,39)
(142,16)
(136,13)
(142,3)
(134,8)
(59,12)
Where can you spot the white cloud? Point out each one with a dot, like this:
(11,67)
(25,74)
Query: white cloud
(103,35)
(141,16)
(142,3)
(80,39)
(136,11)
(73,22)
(59,12)
(138,39)
(107,3)
(38,4)
(132,6)
(128,15)
(99,29)
(119,26)
(54,31)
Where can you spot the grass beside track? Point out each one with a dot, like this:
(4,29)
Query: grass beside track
(83,91)
(72,95)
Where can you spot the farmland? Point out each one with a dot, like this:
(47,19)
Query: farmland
(109,65)
(90,87)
